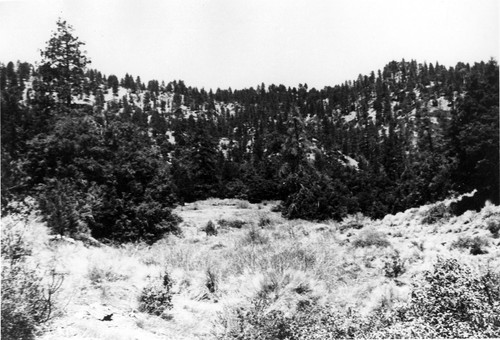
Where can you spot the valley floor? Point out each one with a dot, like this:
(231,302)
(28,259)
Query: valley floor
(357,264)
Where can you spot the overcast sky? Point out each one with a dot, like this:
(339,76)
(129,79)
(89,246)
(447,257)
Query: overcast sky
(242,43)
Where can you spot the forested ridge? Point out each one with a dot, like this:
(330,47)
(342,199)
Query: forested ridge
(111,156)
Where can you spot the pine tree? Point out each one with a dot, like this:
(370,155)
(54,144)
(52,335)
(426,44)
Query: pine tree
(63,64)
(113,83)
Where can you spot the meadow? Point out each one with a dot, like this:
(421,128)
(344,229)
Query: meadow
(241,271)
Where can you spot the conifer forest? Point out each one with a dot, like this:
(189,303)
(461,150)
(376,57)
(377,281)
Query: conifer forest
(123,165)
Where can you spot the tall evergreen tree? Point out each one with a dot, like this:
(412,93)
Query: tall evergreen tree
(63,64)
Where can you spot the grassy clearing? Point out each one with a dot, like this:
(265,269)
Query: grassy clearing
(260,265)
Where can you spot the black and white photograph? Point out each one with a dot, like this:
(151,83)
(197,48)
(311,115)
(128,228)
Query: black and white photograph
(250,169)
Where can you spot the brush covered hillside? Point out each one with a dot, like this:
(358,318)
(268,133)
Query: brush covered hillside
(105,182)
(241,271)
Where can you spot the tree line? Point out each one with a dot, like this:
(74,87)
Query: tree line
(113,165)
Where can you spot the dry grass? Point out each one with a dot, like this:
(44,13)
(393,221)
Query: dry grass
(289,262)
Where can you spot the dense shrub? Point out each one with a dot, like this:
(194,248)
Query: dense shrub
(352,222)
(234,189)
(436,213)
(264,221)
(319,323)
(156,298)
(243,205)
(292,257)
(98,274)
(28,300)
(106,178)
(23,305)
(474,244)
(210,229)
(260,189)
(451,301)
(251,323)
(255,236)
(395,266)
(494,227)
(369,238)
(316,197)
(454,301)
(237,224)
(211,281)
(310,323)
(67,210)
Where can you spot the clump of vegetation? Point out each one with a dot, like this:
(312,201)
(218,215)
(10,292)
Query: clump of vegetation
(277,311)
(99,274)
(237,224)
(294,257)
(450,301)
(243,204)
(264,221)
(351,225)
(29,295)
(312,322)
(395,266)
(255,236)
(453,301)
(352,222)
(247,323)
(210,229)
(474,244)
(419,245)
(66,210)
(211,281)
(494,227)
(315,196)
(371,237)
(436,213)
(156,298)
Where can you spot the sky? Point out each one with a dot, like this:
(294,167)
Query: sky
(243,43)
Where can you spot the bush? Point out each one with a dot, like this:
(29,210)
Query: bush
(352,222)
(450,301)
(456,302)
(311,323)
(67,211)
(243,205)
(252,323)
(99,274)
(436,213)
(255,236)
(211,281)
(237,224)
(106,178)
(494,227)
(475,245)
(156,298)
(371,238)
(264,221)
(210,229)
(234,189)
(28,300)
(395,266)
(316,197)
(148,221)
(23,305)
(292,257)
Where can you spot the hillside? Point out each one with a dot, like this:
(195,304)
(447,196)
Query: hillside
(358,272)
(416,133)
(137,210)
